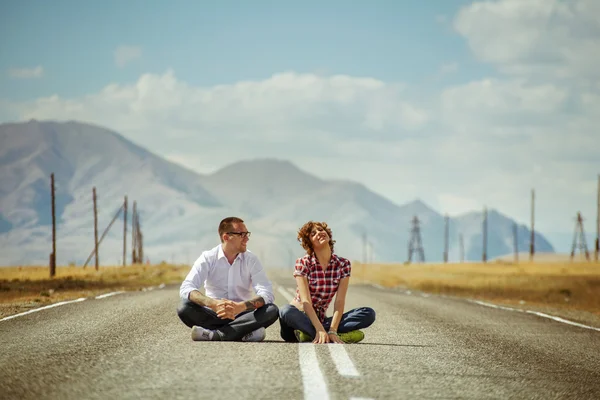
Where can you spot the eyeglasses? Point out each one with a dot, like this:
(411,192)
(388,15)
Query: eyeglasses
(241,234)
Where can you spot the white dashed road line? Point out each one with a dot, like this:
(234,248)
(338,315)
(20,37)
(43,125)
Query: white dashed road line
(313,380)
(342,361)
(312,377)
(284,293)
(552,317)
(62,303)
(102,296)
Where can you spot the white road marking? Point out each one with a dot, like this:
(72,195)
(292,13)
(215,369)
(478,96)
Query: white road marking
(284,293)
(342,360)
(292,291)
(558,319)
(162,285)
(102,296)
(312,378)
(376,285)
(43,308)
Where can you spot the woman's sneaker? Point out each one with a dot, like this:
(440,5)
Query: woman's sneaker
(302,337)
(352,336)
(255,336)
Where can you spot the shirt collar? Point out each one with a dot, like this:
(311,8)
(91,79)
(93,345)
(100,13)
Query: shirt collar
(313,258)
(221,254)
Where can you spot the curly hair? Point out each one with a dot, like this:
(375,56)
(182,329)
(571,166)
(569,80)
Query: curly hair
(304,236)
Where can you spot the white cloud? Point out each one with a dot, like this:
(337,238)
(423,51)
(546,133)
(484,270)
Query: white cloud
(545,37)
(26,73)
(486,142)
(448,68)
(285,104)
(123,55)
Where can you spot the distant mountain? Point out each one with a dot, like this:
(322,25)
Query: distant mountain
(180,209)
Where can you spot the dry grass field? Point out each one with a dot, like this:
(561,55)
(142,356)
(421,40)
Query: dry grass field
(23,288)
(559,285)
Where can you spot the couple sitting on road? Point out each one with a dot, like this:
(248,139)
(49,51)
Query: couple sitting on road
(228,311)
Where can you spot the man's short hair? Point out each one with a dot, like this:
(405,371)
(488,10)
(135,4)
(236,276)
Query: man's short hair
(226,225)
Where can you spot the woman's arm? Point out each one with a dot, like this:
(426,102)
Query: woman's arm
(307,306)
(338,309)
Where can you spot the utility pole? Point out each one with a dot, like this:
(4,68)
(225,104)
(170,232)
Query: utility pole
(370,252)
(134,259)
(597,252)
(125,232)
(364,237)
(516,242)
(53,254)
(95,227)
(461,246)
(532,240)
(446,223)
(484,255)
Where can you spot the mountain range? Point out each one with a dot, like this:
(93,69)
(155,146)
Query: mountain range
(180,209)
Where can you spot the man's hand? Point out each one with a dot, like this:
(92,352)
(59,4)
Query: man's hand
(321,337)
(228,309)
(225,309)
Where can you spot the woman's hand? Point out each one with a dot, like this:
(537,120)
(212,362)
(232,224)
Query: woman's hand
(321,337)
(334,338)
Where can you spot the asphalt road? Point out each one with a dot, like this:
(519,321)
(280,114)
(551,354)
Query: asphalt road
(132,345)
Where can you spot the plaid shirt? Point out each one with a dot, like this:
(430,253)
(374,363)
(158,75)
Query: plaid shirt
(322,285)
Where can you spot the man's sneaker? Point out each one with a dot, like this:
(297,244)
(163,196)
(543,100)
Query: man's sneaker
(255,336)
(352,336)
(302,337)
(201,334)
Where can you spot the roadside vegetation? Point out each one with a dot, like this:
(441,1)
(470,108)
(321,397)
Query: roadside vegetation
(560,285)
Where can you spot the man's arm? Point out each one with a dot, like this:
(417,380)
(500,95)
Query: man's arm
(202,300)
(261,284)
(254,303)
(195,279)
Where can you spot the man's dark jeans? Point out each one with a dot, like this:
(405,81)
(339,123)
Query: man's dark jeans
(227,329)
(291,318)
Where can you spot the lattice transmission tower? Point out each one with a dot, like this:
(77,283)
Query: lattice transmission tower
(415,245)
(581,243)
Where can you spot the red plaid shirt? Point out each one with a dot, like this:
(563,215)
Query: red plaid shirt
(322,285)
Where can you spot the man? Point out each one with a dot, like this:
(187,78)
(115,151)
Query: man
(228,311)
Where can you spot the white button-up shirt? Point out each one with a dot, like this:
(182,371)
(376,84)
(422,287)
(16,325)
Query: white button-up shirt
(222,280)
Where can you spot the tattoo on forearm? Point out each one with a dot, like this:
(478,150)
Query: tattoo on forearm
(254,303)
(199,298)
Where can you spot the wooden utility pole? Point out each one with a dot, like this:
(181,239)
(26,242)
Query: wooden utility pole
(134,259)
(597,251)
(461,246)
(95,228)
(516,242)
(125,232)
(53,254)
(484,227)
(446,223)
(364,246)
(532,240)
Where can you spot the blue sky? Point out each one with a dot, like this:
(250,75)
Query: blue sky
(462,104)
(210,43)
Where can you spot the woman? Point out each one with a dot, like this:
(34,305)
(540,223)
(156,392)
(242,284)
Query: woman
(320,275)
